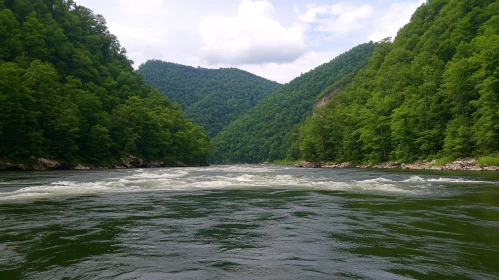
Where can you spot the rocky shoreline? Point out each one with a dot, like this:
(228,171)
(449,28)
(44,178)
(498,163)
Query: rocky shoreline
(46,164)
(463,164)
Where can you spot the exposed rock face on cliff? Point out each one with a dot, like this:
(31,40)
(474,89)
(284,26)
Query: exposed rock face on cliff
(325,98)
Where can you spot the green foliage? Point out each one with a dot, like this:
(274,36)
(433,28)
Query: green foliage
(492,160)
(444,160)
(68,92)
(212,98)
(269,130)
(432,92)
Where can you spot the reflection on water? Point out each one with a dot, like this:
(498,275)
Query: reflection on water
(247,222)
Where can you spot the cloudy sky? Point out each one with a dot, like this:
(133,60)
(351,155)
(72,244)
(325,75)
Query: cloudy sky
(275,39)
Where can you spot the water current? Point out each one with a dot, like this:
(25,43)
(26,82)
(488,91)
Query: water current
(249,222)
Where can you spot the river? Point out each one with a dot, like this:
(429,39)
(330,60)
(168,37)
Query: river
(249,222)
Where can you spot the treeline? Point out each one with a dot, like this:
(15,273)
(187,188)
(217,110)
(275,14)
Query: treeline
(269,131)
(69,92)
(432,93)
(211,97)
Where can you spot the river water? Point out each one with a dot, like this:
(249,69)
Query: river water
(249,222)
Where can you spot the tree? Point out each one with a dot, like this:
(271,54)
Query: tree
(68,91)
(34,38)
(20,133)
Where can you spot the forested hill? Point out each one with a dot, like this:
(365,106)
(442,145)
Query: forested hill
(211,97)
(432,93)
(266,131)
(68,92)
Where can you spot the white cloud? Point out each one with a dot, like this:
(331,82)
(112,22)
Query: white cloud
(368,22)
(254,36)
(276,39)
(285,72)
(341,18)
(389,22)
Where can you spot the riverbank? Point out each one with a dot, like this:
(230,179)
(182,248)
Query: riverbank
(463,164)
(42,164)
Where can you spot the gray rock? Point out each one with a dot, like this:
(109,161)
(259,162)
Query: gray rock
(306,164)
(47,164)
(8,166)
(81,167)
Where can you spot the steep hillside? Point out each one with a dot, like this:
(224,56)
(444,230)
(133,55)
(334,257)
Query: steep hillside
(433,93)
(212,98)
(68,92)
(266,131)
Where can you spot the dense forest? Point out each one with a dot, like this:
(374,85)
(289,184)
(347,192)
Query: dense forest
(268,131)
(432,93)
(68,92)
(211,97)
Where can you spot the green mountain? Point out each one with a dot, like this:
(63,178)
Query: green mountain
(212,98)
(432,93)
(266,131)
(69,92)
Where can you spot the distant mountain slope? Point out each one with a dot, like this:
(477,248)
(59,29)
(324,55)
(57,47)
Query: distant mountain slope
(265,132)
(211,97)
(433,93)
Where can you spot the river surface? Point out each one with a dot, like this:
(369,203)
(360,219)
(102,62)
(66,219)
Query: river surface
(249,222)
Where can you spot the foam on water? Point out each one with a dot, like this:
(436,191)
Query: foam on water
(376,181)
(227,177)
(456,180)
(55,189)
(415,179)
(244,168)
(159,175)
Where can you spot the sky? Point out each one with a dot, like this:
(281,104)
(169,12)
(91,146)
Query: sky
(275,39)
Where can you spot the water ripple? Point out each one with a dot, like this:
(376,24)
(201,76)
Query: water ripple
(249,222)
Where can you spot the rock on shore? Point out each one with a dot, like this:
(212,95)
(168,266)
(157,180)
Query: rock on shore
(47,164)
(468,164)
(9,166)
(130,161)
(306,164)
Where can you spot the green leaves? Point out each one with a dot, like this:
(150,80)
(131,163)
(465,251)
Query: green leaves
(263,133)
(432,92)
(68,92)
(34,38)
(20,131)
(211,98)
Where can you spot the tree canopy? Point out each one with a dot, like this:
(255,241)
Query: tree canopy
(267,131)
(213,98)
(433,92)
(69,92)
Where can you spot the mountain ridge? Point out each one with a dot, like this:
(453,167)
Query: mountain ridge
(266,131)
(211,97)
